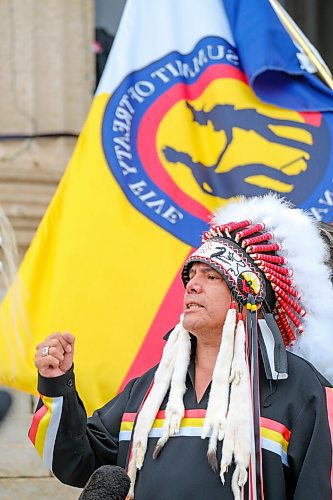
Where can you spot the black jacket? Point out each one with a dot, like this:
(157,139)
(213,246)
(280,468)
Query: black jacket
(295,429)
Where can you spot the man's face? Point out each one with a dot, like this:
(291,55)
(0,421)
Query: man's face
(206,301)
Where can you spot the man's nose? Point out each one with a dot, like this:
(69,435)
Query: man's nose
(194,285)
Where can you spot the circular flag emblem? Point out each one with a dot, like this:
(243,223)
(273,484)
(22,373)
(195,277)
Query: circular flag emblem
(186,134)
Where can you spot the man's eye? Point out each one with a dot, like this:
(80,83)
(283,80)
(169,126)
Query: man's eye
(212,277)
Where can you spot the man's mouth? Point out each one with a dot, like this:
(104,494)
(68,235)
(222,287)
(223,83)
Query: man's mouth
(193,305)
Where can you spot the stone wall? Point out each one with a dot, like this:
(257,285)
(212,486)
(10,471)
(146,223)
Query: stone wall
(46,86)
(46,82)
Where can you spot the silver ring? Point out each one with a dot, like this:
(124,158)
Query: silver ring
(45,351)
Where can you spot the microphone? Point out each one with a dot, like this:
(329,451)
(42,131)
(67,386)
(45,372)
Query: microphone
(108,482)
(5,403)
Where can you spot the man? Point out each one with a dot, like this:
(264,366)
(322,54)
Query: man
(246,417)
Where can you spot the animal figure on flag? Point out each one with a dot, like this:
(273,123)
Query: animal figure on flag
(227,118)
(233,182)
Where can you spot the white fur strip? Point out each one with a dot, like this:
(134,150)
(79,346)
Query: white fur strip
(219,394)
(238,480)
(237,439)
(175,410)
(152,404)
(132,470)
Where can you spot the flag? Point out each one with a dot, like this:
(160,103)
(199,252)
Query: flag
(200,101)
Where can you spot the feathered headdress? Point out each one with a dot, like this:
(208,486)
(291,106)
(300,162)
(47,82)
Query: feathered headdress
(303,306)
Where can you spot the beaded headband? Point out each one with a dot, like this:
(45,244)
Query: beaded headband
(238,270)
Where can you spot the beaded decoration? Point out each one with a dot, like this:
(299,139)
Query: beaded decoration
(237,268)
(288,309)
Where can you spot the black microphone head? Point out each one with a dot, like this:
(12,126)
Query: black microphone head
(5,403)
(108,482)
